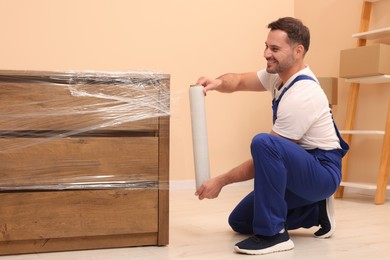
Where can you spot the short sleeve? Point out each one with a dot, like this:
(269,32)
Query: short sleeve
(268,80)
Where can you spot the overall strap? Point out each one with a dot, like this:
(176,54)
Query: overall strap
(275,102)
(298,78)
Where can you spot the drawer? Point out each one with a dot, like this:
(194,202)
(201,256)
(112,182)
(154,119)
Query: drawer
(48,106)
(77,213)
(46,163)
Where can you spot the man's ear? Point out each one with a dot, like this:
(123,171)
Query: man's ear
(300,50)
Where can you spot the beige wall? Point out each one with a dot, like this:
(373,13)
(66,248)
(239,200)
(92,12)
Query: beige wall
(187,39)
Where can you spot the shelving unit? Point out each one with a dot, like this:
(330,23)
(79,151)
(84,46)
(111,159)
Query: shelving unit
(381,186)
(372,35)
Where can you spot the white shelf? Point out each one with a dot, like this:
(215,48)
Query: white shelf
(370,80)
(362,132)
(358,185)
(367,186)
(373,34)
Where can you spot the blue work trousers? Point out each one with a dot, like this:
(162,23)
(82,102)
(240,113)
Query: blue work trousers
(289,182)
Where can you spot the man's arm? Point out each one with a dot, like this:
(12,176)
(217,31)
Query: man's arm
(229,83)
(232,82)
(211,188)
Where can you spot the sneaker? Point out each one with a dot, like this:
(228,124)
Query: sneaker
(326,219)
(260,245)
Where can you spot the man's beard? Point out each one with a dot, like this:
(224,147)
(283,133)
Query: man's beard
(278,67)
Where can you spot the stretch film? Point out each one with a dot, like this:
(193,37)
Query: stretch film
(199,135)
(77,130)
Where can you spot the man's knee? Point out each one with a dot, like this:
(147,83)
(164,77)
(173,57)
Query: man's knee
(261,140)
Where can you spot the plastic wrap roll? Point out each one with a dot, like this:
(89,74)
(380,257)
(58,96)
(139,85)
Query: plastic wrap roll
(199,135)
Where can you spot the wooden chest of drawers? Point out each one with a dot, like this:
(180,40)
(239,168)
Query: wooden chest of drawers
(84,160)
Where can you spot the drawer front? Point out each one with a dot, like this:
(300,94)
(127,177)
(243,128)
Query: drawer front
(45,163)
(50,106)
(80,213)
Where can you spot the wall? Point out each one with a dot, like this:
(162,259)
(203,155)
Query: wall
(332,24)
(186,39)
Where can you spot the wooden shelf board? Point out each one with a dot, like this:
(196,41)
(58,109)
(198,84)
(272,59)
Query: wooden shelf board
(370,80)
(373,34)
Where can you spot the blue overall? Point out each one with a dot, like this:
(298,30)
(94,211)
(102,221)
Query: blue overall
(289,182)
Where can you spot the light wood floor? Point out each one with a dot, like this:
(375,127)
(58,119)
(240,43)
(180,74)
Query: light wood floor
(199,230)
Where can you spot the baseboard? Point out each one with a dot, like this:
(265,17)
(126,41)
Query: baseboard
(190,184)
(182,185)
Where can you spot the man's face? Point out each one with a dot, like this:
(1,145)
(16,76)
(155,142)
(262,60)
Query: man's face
(278,52)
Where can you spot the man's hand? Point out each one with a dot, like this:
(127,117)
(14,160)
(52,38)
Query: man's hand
(210,189)
(209,84)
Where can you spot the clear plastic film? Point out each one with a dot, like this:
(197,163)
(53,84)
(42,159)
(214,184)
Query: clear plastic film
(82,130)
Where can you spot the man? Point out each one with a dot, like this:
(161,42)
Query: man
(297,166)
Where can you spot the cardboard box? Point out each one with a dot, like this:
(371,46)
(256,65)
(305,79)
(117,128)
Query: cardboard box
(366,61)
(329,85)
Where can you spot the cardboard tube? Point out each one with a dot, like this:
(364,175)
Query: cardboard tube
(199,135)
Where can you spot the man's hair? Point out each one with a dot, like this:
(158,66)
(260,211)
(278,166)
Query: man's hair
(296,31)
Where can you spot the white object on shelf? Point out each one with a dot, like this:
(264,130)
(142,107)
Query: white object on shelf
(373,34)
(370,80)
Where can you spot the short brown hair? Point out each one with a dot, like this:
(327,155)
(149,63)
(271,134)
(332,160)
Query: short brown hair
(296,31)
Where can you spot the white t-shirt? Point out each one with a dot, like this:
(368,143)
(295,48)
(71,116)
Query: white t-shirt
(303,113)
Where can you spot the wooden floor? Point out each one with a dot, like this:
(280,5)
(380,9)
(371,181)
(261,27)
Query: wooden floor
(199,230)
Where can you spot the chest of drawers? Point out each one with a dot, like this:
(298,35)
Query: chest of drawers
(84,160)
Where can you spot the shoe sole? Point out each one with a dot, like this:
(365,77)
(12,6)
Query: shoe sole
(330,212)
(284,246)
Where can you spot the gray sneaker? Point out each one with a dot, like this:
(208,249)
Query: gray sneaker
(326,219)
